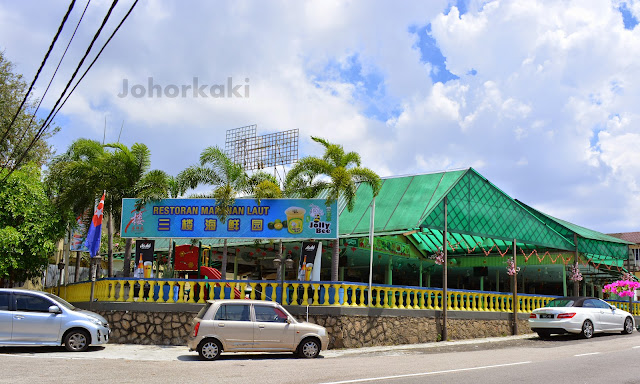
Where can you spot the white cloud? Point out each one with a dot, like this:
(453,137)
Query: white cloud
(550,115)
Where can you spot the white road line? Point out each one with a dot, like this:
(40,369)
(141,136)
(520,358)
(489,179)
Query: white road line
(587,354)
(425,373)
(637,346)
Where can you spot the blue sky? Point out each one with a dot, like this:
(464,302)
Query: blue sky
(540,96)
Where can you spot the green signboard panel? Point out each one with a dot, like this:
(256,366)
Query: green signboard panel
(200,218)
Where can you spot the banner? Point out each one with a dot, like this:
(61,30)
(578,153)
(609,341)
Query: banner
(310,261)
(144,258)
(78,236)
(199,218)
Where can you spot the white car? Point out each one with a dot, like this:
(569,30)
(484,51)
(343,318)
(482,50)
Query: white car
(34,318)
(581,315)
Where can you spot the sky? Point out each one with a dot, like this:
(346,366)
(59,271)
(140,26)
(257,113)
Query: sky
(541,97)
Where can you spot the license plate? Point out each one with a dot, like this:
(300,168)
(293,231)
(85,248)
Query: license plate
(546,316)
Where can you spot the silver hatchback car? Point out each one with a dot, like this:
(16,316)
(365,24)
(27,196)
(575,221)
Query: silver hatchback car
(34,318)
(253,326)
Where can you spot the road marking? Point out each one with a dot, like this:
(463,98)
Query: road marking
(426,373)
(637,346)
(587,354)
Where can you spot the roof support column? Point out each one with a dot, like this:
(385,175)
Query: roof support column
(445,304)
(514,301)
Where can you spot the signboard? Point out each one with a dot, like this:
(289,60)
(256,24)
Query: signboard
(144,258)
(198,218)
(186,258)
(310,261)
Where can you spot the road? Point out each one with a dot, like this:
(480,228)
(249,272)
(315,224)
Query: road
(521,359)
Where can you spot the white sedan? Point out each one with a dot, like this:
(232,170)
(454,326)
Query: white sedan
(582,315)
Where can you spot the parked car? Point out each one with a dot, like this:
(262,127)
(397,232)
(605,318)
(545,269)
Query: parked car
(253,325)
(582,315)
(30,318)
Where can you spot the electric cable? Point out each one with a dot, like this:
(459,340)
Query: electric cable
(53,42)
(47,120)
(24,134)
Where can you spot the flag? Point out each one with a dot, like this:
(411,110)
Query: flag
(95,230)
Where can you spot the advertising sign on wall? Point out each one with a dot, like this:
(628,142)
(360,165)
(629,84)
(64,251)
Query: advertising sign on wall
(199,218)
(144,258)
(310,261)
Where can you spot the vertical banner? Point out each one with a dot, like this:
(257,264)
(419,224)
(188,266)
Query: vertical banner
(310,261)
(79,234)
(144,258)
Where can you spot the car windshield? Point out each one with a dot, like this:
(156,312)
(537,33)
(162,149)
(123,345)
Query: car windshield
(61,301)
(560,303)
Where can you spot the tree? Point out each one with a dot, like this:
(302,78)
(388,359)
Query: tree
(14,139)
(127,175)
(338,173)
(29,225)
(229,180)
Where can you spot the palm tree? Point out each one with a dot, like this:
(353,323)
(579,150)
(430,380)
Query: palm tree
(127,175)
(338,173)
(227,178)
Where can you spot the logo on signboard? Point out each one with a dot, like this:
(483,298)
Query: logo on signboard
(136,222)
(317,223)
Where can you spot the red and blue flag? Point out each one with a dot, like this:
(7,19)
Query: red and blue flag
(95,230)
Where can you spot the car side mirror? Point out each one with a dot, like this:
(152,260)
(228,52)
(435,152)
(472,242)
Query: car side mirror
(288,320)
(55,309)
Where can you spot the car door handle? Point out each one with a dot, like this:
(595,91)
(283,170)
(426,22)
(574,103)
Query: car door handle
(221,325)
(261,326)
(18,317)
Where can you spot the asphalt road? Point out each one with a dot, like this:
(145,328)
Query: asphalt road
(521,359)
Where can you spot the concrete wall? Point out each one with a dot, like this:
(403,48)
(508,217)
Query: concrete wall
(170,324)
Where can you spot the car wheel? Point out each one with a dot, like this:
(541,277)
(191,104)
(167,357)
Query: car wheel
(77,340)
(628,326)
(209,349)
(544,334)
(587,329)
(309,349)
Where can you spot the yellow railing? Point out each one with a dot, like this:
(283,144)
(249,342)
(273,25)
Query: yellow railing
(295,293)
(302,293)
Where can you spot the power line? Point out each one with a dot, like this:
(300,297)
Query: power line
(53,42)
(26,130)
(54,111)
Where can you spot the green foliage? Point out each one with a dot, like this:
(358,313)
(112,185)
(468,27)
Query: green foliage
(17,138)
(337,171)
(29,225)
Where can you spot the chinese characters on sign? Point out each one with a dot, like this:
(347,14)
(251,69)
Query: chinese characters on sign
(201,218)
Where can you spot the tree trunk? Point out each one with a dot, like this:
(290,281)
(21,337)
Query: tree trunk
(76,276)
(110,244)
(223,267)
(335,260)
(127,257)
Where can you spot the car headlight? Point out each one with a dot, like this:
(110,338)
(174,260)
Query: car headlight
(95,321)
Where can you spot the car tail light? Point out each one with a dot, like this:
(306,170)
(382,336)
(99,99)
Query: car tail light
(532,316)
(195,329)
(566,315)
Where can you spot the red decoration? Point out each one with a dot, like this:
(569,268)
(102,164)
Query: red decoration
(353,249)
(250,253)
(296,247)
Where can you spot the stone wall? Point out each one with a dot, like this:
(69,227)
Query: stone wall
(345,330)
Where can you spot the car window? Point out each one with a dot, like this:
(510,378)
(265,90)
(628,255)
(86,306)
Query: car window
(233,312)
(203,311)
(4,301)
(560,303)
(267,313)
(31,303)
(602,304)
(590,303)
